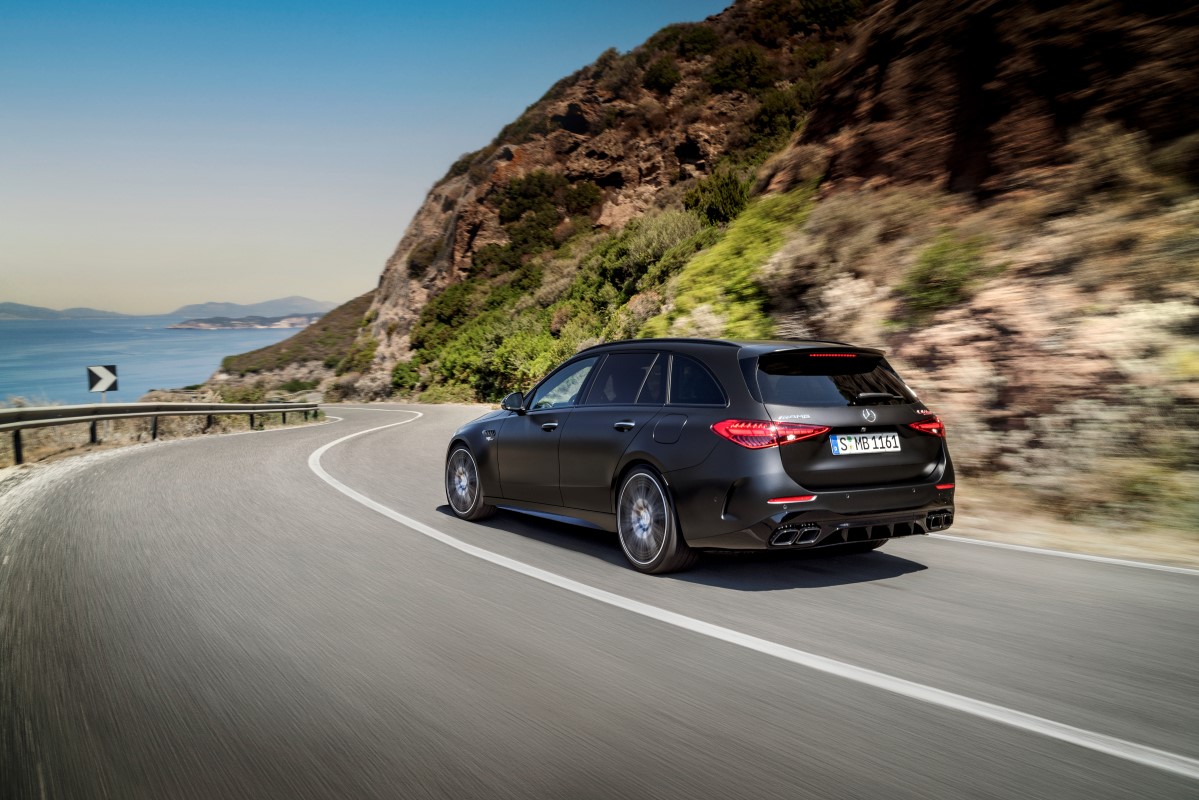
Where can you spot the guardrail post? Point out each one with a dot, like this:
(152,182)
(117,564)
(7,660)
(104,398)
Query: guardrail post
(284,416)
(92,432)
(18,456)
(251,422)
(207,422)
(153,428)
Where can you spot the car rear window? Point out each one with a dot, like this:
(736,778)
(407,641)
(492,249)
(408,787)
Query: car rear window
(802,378)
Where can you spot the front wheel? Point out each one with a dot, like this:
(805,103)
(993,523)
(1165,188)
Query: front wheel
(647,527)
(463,489)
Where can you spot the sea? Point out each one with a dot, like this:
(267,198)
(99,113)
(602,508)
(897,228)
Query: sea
(45,362)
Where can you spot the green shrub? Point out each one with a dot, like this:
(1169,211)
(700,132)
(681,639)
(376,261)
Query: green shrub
(531,192)
(687,39)
(697,40)
(742,67)
(359,358)
(445,311)
(582,197)
(719,198)
(661,76)
(621,75)
(406,377)
(448,393)
(533,122)
(778,113)
(250,393)
(461,166)
(297,385)
(829,15)
(942,274)
(721,278)
(422,257)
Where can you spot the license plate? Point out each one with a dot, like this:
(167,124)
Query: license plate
(852,444)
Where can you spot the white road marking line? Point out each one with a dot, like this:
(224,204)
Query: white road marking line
(359,408)
(1119,562)
(1101,743)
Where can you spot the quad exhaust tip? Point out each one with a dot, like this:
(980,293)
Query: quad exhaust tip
(789,535)
(939,520)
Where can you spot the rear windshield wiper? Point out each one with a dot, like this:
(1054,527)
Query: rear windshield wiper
(874,398)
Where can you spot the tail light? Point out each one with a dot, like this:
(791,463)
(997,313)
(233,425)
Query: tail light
(759,434)
(933,427)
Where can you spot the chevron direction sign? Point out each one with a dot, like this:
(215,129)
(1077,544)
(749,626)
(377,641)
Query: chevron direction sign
(102,379)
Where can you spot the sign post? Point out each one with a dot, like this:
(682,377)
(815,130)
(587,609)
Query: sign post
(101,379)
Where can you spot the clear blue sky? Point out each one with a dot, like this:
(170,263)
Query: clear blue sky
(154,154)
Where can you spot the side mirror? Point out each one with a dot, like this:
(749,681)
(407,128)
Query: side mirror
(514,402)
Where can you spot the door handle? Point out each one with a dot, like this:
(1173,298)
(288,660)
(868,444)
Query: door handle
(548,426)
(624,425)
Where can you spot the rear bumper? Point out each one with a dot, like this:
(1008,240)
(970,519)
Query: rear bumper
(721,515)
(814,529)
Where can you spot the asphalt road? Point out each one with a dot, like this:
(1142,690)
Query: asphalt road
(211,618)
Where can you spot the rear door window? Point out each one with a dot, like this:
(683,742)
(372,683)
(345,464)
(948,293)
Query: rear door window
(653,392)
(691,384)
(620,378)
(800,378)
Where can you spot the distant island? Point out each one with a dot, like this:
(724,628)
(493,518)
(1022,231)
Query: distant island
(199,312)
(22,311)
(284,306)
(242,323)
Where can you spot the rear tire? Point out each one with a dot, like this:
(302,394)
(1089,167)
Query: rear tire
(463,488)
(647,525)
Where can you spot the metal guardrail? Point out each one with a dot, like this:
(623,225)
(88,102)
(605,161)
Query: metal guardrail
(19,419)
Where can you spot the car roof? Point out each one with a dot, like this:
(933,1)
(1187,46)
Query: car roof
(752,347)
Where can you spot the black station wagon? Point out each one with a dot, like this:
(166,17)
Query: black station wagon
(679,445)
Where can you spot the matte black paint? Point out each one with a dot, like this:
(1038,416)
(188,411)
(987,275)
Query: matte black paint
(569,461)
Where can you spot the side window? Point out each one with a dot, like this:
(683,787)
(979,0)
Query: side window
(562,388)
(691,384)
(653,393)
(619,379)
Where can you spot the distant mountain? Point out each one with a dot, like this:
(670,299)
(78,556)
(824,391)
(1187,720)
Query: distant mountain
(241,323)
(282,307)
(22,311)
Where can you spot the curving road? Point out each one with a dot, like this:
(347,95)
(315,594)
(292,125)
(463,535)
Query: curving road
(294,614)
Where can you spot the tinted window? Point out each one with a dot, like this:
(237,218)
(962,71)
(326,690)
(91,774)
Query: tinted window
(562,388)
(653,393)
(802,379)
(691,384)
(620,378)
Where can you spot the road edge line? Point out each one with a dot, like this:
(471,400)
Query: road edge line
(1098,742)
(1045,551)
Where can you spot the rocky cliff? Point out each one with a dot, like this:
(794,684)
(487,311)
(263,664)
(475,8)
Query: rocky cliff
(636,126)
(1001,194)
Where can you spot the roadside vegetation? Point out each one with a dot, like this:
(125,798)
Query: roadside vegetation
(1038,317)
(330,342)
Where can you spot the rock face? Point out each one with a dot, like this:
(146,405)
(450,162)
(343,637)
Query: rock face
(633,136)
(967,94)
(459,217)
(1009,207)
